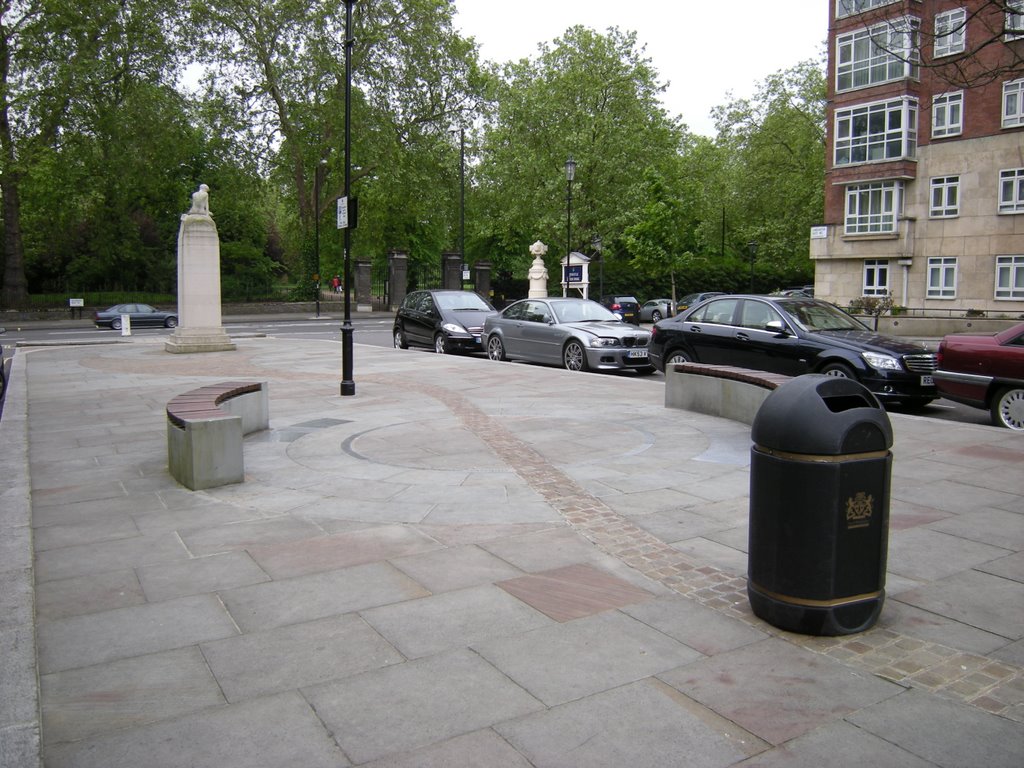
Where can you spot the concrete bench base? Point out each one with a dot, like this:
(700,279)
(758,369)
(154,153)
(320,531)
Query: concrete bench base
(205,428)
(719,390)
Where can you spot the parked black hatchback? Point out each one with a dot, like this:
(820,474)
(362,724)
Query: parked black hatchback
(792,336)
(448,321)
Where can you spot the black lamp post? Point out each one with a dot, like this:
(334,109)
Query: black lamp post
(600,263)
(570,174)
(348,385)
(462,191)
(752,250)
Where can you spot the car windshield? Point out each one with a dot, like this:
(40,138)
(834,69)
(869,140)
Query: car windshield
(818,316)
(572,311)
(461,301)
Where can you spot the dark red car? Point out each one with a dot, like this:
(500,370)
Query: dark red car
(985,371)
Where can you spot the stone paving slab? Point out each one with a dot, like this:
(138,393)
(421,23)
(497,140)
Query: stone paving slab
(642,725)
(441,696)
(776,691)
(922,724)
(366,534)
(568,661)
(273,732)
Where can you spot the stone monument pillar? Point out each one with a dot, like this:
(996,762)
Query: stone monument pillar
(451,271)
(398,278)
(538,273)
(482,279)
(364,285)
(199,319)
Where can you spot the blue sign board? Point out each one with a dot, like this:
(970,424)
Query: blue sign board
(574,273)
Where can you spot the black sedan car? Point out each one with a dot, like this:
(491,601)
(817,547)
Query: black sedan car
(578,334)
(792,336)
(140,314)
(447,321)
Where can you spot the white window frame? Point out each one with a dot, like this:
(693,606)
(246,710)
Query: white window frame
(846,8)
(944,197)
(1011,190)
(950,33)
(876,277)
(948,114)
(1013,28)
(1010,277)
(881,53)
(865,133)
(942,276)
(1013,103)
(872,208)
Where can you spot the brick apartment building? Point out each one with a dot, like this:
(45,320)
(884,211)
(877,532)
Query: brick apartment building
(924,187)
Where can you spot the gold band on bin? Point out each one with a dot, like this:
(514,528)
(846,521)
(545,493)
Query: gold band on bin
(816,603)
(818,459)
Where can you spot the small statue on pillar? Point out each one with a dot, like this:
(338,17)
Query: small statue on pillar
(538,273)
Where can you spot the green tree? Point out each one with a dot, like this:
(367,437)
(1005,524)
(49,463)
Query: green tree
(595,97)
(278,67)
(775,145)
(65,71)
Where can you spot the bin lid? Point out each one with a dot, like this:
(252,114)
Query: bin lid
(822,415)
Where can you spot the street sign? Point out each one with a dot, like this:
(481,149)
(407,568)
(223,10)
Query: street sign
(342,213)
(574,273)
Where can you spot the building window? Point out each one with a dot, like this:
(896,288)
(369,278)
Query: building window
(879,54)
(1011,191)
(876,277)
(945,202)
(871,208)
(948,114)
(1014,28)
(1010,277)
(852,7)
(1013,103)
(950,32)
(942,277)
(885,130)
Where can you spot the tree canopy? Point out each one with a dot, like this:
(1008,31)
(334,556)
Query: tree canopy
(112,113)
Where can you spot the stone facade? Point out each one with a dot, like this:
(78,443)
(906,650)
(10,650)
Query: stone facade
(975,235)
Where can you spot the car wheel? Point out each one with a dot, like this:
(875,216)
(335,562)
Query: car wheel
(400,341)
(495,349)
(839,370)
(655,316)
(441,344)
(1008,408)
(171,322)
(677,356)
(116,323)
(574,357)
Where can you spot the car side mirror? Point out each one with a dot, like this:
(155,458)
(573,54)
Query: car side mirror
(776,326)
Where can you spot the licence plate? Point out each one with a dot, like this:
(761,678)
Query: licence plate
(927,381)
(633,353)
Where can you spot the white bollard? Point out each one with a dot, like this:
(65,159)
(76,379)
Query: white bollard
(126,325)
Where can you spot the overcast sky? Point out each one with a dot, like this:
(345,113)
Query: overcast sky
(703,50)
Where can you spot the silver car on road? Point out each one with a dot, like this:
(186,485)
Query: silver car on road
(578,334)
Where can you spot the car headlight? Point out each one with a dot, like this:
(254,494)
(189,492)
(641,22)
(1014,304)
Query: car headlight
(453,328)
(881,362)
(604,341)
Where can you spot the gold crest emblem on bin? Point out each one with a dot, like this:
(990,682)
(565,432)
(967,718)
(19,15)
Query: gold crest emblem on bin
(859,509)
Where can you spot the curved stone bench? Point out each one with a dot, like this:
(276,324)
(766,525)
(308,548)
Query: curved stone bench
(719,390)
(205,427)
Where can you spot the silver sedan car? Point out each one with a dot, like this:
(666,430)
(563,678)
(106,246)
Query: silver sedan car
(578,334)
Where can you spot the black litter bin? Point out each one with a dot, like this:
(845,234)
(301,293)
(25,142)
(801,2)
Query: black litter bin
(819,506)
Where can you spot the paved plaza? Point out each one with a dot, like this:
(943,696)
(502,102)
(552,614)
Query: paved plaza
(469,563)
